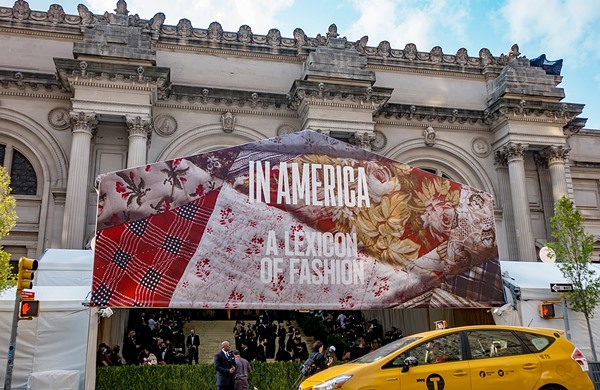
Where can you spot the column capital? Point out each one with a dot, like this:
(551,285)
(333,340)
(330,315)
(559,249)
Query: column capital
(84,122)
(363,139)
(515,150)
(139,126)
(556,154)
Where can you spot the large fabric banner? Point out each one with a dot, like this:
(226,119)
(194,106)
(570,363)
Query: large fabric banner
(301,221)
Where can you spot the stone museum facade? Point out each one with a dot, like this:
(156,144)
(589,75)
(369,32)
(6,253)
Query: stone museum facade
(86,94)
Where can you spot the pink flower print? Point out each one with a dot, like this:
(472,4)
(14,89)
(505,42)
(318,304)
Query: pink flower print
(278,287)
(132,175)
(227,216)
(229,250)
(182,180)
(148,167)
(185,284)
(380,286)
(252,224)
(326,290)
(203,269)
(262,298)
(234,299)
(279,218)
(347,302)
(176,162)
(120,187)
(199,190)
(299,296)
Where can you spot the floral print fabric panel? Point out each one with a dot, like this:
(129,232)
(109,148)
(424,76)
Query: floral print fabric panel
(298,221)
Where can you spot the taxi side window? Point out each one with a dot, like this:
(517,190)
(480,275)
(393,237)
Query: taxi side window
(438,350)
(535,342)
(494,343)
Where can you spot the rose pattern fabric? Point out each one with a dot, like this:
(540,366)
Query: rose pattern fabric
(424,241)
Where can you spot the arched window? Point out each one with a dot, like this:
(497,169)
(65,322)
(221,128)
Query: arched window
(437,171)
(23,179)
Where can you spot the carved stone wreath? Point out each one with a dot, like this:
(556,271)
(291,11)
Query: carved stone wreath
(59,118)
(286,129)
(165,125)
(379,142)
(481,147)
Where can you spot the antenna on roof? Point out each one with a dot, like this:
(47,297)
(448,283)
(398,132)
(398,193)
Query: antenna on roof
(547,255)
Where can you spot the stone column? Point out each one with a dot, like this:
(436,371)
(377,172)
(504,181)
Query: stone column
(139,131)
(556,156)
(76,202)
(518,190)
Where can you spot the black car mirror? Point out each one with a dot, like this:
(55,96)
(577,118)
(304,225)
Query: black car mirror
(410,361)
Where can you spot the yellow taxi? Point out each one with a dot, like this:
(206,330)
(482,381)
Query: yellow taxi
(470,357)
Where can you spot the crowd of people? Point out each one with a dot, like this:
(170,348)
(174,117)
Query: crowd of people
(155,337)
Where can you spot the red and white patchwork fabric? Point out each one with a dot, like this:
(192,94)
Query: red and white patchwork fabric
(226,229)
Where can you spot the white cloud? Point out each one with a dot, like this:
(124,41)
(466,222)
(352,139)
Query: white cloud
(566,28)
(426,23)
(260,15)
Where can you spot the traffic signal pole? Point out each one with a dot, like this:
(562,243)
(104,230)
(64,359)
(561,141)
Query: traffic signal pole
(24,281)
(12,344)
(563,302)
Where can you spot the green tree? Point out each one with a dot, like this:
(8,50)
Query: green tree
(8,217)
(573,249)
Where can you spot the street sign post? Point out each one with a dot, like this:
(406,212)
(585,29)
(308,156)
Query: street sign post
(561,287)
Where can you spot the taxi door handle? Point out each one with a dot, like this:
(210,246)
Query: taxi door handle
(460,373)
(530,366)
(392,379)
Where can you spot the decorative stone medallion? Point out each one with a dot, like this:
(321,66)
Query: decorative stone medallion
(379,142)
(286,129)
(481,147)
(59,118)
(165,125)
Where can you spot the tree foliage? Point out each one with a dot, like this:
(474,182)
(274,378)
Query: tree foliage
(8,218)
(573,249)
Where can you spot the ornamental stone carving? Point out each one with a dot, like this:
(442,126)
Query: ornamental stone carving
(429,136)
(21,10)
(332,32)
(555,154)
(274,37)
(139,126)
(165,125)
(55,14)
(300,37)
(245,34)
(361,44)
(436,54)
(59,118)
(157,22)
(481,147)
(228,122)
(215,31)
(462,57)
(86,16)
(515,150)
(379,141)
(83,122)
(363,139)
(410,51)
(286,129)
(384,49)
(184,28)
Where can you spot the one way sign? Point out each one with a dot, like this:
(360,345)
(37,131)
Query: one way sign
(561,287)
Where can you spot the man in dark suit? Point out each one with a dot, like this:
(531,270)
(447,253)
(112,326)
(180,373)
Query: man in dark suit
(192,343)
(261,351)
(224,363)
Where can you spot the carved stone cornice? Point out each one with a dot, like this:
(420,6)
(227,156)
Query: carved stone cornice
(111,74)
(23,80)
(190,96)
(184,34)
(427,114)
(351,96)
(363,139)
(84,122)
(139,127)
(509,109)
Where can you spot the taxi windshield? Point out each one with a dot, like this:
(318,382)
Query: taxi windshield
(387,349)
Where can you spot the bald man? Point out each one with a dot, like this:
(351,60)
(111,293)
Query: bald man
(224,363)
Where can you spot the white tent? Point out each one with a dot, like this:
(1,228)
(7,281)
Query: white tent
(529,284)
(51,349)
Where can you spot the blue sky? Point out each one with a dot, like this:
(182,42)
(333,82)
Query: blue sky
(567,29)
